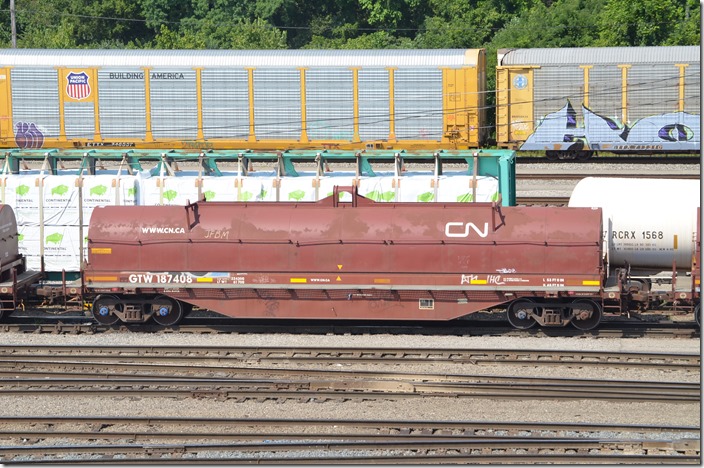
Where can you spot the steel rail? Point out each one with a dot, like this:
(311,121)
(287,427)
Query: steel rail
(295,377)
(282,390)
(201,374)
(408,427)
(158,454)
(463,444)
(557,175)
(218,325)
(418,382)
(349,355)
(613,159)
(581,459)
(540,200)
(144,436)
(430,442)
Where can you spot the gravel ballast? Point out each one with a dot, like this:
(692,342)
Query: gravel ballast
(455,409)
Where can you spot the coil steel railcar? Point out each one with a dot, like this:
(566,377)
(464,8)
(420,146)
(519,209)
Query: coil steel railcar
(346,260)
(231,99)
(364,260)
(572,102)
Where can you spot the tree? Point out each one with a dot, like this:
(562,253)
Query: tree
(649,23)
(186,39)
(565,23)
(375,40)
(394,14)
(245,34)
(257,34)
(688,31)
(462,23)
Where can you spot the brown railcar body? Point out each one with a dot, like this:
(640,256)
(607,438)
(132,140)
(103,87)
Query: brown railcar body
(335,260)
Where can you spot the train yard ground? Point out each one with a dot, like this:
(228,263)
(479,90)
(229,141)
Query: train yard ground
(627,392)
(341,397)
(543,183)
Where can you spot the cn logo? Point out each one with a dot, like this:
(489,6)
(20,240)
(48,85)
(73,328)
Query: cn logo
(459,229)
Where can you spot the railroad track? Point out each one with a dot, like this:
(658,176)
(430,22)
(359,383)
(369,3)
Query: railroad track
(555,185)
(308,385)
(540,200)
(200,355)
(252,428)
(559,175)
(224,373)
(74,324)
(353,389)
(562,183)
(399,452)
(621,159)
(193,440)
(305,375)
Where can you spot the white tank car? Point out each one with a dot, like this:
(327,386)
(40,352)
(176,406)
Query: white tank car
(647,222)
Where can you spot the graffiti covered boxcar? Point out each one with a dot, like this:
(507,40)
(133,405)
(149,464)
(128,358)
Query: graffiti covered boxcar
(571,102)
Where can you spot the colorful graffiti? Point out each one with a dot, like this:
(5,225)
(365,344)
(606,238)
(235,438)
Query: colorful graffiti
(559,131)
(28,136)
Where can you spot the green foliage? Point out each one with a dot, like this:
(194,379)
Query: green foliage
(257,34)
(78,24)
(462,24)
(375,40)
(649,22)
(168,39)
(208,35)
(394,14)
(566,23)
(338,24)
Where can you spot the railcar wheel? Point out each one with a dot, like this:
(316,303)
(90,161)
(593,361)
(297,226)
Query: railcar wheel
(519,311)
(167,311)
(587,314)
(104,308)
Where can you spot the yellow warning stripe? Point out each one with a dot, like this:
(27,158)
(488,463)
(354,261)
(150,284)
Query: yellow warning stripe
(101,278)
(204,280)
(101,250)
(382,280)
(591,283)
(299,280)
(478,281)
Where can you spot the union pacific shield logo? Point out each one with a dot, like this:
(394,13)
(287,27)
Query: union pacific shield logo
(77,86)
